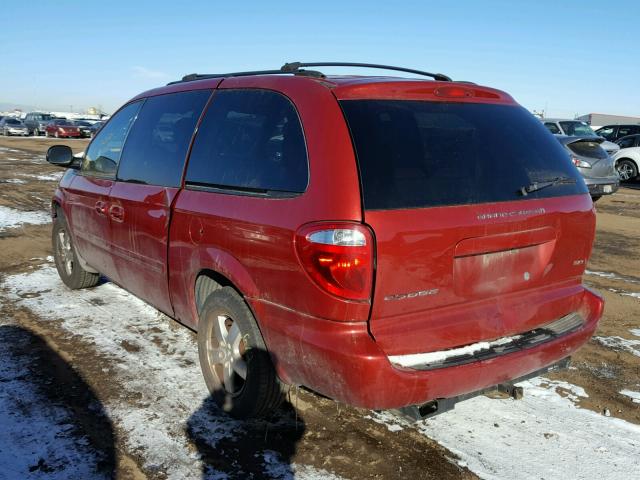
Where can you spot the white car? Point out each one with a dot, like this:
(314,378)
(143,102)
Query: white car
(627,159)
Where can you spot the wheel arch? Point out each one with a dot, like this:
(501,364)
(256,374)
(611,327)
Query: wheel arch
(631,159)
(209,280)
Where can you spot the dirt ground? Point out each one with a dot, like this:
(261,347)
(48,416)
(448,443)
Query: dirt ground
(332,440)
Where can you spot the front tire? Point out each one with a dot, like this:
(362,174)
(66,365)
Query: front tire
(66,258)
(627,170)
(235,363)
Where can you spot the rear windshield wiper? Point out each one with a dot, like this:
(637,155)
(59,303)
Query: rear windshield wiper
(535,186)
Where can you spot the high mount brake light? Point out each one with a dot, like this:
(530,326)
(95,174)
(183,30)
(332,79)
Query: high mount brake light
(338,257)
(453,92)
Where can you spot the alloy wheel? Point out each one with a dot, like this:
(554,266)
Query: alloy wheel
(625,171)
(65,252)
(225,352)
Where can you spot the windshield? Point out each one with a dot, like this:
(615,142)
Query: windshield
(415,154)
(577,129)
(13,121)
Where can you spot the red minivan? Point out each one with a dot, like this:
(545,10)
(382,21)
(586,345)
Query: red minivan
(391,243)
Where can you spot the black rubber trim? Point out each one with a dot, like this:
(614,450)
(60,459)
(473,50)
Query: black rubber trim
(527,340)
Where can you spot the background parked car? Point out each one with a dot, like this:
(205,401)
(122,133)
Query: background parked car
(627,159)
(37,121)
(95,127)
(615,132)
(13,126)
(61,127)
(576,128)
(594,164)
(84,127)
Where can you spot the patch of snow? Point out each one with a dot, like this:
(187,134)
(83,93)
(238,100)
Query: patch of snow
(52,177)
(414,359)
(154,362)
(624,293)
(619,343)
(16,181)
(544,435)
(635,332)
(275,469)
(389,420)
(635,396)
(612,276)
(36,436)
(11,218)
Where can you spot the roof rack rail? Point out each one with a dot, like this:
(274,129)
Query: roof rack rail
(296,68)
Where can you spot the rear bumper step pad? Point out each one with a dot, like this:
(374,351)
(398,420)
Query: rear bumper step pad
(487,350)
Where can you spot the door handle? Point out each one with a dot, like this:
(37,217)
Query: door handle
(117,213)
(101,208)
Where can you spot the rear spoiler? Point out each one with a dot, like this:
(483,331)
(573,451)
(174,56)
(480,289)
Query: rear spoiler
(567,140)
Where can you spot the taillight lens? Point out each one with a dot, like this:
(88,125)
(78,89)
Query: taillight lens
(579,163)
(338,257)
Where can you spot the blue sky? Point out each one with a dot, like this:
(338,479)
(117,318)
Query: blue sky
(568,57)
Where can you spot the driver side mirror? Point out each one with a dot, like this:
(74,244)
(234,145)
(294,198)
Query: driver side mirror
(62,156)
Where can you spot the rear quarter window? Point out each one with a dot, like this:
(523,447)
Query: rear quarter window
(249,140)
(415,154)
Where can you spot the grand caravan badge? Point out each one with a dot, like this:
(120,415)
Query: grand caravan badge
(514,213)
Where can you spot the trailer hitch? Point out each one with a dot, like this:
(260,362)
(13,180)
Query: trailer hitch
(435,407)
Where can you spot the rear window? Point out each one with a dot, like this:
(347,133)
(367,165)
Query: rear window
(415,154)
(588,149)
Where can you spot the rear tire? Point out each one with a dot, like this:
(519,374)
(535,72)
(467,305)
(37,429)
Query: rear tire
(237,368)
(66,258)
(627,169)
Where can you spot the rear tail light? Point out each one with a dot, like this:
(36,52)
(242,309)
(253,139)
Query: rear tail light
(579,163)
(338,257)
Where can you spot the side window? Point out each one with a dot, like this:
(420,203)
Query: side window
(606,132)
(626,130)
(552,127)
(626,142)
(103,154)
(250,140)
(157,145)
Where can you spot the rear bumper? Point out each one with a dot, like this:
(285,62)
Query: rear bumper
(342,361)
(603,185)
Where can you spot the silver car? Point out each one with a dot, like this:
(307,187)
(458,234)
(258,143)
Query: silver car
(594,164)
(576,128)
(13,126)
